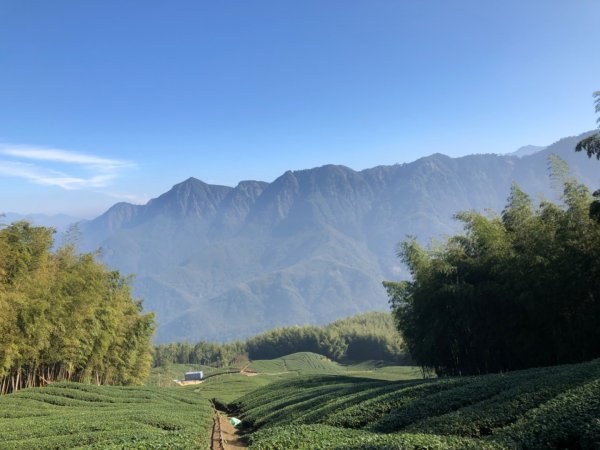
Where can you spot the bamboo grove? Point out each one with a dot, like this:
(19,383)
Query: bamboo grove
(362,337)
(514,291)
(65,317)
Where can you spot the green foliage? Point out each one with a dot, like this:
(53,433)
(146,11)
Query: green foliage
(369,336)
(591,144)
(554,407)
(514,291)
(229,387)
(570,420)
(321,437)
(164,376)
(301,362)
(285,340)
(63,316)
(362,337)
(70,415)
(231,354)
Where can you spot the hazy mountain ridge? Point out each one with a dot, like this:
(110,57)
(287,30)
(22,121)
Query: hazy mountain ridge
(218,262)
(527,150)
(60,222)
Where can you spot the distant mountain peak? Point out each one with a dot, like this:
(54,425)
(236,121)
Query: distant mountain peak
(250,183)
(527,150)
(219,262)
(190,180)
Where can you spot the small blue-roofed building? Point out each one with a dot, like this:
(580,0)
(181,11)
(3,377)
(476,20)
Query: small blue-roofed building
(193,376)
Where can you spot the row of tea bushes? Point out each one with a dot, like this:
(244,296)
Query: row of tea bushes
(554,407)
(71,415)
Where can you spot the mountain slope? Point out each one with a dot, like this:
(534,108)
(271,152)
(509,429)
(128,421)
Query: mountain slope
(217,262)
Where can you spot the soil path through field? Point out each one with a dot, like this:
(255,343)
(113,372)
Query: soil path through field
(246,371)
(231,439)
(216,442)
(224,435)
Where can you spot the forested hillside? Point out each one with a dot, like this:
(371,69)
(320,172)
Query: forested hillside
(222,263)
(365,337)
(65,317)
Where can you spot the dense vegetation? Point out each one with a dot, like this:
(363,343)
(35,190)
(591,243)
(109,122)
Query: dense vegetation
(591,144)
(369,336)
(514,291)
(64,317)
(71,415)
(555,407)
(358,338)
(203,353)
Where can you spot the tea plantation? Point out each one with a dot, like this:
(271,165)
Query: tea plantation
(304,401)
(226,388)
(301,362)
(70,415)
(556,407)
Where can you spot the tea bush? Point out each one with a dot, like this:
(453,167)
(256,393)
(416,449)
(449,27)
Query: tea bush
(70,415)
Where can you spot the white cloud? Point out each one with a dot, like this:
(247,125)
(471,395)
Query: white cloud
(57,155)
(56,167)
(132,198)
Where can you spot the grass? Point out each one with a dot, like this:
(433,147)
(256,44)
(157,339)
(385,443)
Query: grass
(227,388)
(71,415)
(304,363)
(379,371)
(164,376)
(301,363)
(555,407)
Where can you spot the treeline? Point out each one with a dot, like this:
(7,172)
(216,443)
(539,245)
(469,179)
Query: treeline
(369,336)
(514,291)
(205,353)
(64,317)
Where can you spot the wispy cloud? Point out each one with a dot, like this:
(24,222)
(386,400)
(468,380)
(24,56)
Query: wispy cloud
(133,198)
(57,167)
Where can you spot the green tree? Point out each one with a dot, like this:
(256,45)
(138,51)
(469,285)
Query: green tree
(513,291)
(591,145)
(63,316)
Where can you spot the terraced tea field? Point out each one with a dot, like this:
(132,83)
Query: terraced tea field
(164,376)
(70,415)
(304,401)
(302,362)
(556,407)
(228,387)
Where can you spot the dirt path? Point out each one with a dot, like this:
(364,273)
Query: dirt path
(248,372)
(216,439)
(231,439)
(224,435)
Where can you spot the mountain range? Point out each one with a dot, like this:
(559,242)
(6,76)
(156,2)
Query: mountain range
(221,263)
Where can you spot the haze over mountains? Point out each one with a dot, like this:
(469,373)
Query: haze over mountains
(218,262)
(60,222)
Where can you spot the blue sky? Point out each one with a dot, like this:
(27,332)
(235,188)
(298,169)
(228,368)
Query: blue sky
(118,100)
